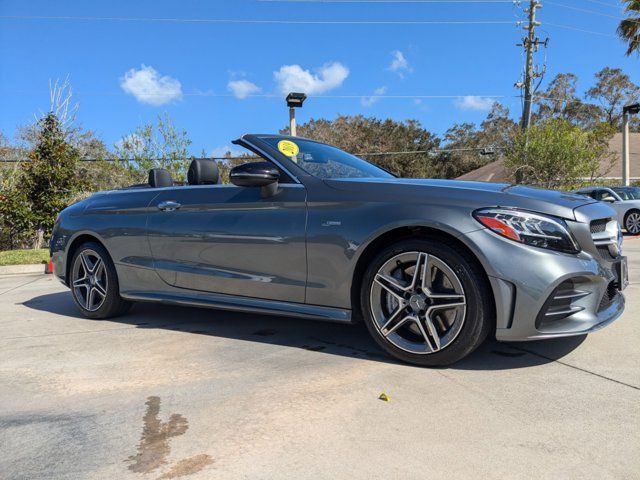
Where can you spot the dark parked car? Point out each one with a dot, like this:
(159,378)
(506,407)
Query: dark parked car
(433,267)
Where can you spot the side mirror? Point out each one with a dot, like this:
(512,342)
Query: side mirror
(609,199)
(256,174)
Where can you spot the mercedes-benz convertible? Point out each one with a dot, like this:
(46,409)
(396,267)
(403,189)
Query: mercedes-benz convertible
(433,267)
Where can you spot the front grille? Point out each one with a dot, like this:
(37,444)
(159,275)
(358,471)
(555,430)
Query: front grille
(605,235)
(599,226)
(609,296)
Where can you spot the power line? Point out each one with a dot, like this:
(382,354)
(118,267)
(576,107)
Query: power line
(577,29)
(598,2)
(251,157)
(586,10)
(272,95)
(386,1)
(255,22)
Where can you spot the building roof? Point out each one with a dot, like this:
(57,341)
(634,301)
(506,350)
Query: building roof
(495,171)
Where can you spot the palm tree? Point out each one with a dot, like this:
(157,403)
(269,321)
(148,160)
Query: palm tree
(629,28)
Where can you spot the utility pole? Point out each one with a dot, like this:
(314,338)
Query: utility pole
(530,44)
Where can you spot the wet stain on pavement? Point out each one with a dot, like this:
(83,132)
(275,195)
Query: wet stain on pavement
(154,447)
(187,466)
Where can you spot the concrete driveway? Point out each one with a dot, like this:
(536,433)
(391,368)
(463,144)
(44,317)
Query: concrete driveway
(168,392)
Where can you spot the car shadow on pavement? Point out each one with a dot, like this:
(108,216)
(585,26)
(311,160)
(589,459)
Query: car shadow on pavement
(330,338)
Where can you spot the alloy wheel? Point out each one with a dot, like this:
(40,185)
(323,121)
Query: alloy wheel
(418,302)
(633,223)
(89,280)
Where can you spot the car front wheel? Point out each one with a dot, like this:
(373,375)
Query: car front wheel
(632,222)
(94,283)
(426,303)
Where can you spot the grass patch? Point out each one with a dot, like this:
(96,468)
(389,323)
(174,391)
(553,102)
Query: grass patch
(24,257)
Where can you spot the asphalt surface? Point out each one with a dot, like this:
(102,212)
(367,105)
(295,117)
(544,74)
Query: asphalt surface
(168,392)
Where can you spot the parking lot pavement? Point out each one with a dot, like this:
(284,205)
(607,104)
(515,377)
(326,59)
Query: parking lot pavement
(168,392)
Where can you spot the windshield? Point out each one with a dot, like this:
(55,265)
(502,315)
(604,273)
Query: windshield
(628,193)
(324,161)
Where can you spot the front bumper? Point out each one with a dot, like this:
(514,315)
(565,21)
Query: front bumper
(545,294)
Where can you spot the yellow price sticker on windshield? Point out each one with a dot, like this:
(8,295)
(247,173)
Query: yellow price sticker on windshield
(289,148)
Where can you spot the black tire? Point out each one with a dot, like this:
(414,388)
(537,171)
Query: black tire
(112,304)
(479,313)
(626,219)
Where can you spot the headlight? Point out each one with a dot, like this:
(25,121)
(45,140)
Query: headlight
(528,228)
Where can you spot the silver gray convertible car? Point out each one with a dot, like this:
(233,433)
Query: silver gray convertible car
(433,267)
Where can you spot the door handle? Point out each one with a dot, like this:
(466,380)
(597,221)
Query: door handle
(169,206)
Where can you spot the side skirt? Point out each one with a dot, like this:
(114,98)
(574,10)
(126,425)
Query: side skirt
(244,304)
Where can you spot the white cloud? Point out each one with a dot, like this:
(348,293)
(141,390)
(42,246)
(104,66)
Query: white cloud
(473,102)
(292,78)
(243,88)
(147,86)
(400,64)
(368,101)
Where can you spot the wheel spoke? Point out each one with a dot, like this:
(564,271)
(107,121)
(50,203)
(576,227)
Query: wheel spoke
(426,276)
(100,289)
(86,265)
(444,306)
(397,325)
(425,337)
(80,283)
(89,298)
(433,332)
(391,286)
(422,257)
(391,319)
(97,267)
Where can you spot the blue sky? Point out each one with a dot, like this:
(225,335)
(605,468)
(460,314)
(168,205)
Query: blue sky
(124,73)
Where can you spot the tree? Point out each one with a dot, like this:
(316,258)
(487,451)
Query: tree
(466,146)
(369,137)
(49,177)
(629,28)
(156,146)
(612,91)
(557,154)
(559,100)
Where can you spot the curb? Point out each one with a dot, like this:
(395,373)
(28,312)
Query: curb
(23,269)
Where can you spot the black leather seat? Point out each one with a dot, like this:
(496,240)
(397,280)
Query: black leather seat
(203,171)
(160,177)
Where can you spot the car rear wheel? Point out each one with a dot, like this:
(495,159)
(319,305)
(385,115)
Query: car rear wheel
(94,283)
(426,303)
(632,222)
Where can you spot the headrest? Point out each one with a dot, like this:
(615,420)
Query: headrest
(159,177)
(203,171)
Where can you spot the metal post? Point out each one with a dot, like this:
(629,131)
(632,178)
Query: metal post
(292,121)
(625,149)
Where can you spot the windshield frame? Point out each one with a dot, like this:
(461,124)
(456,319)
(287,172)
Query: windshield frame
(269,140)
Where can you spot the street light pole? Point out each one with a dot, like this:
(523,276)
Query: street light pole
(292,121)
(625,149)
(626,113)
(294,100)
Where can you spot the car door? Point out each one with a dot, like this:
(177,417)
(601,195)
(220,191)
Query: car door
(227,239)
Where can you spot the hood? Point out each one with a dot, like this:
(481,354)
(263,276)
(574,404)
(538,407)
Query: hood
(473,194)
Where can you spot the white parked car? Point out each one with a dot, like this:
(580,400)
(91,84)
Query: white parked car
(625,200)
